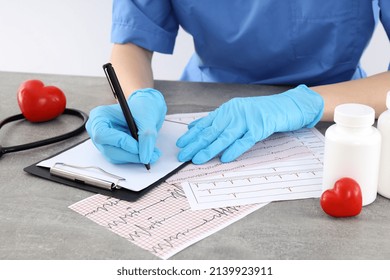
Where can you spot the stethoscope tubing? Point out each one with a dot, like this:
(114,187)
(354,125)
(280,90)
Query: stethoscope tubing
(40,143)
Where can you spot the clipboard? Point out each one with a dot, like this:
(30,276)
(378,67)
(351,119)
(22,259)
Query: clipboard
(83,166)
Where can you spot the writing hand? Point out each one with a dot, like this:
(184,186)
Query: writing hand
(110,134)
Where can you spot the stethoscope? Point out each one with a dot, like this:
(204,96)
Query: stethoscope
(40,143)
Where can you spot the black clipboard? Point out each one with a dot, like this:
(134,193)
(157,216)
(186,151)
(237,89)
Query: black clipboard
(122,193)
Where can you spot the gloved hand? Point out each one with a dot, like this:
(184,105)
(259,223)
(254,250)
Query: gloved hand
(109,132)
(238,124)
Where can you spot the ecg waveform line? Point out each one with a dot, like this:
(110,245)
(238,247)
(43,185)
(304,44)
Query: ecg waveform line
(284,150)
(290,178)
(161,222)
(288,167)
(264,187)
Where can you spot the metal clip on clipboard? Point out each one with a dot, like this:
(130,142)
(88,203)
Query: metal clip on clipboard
(56,170)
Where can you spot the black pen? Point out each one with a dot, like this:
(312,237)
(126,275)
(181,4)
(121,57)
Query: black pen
(118,94)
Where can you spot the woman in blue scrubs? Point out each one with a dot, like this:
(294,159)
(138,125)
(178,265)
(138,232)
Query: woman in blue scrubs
(313,44)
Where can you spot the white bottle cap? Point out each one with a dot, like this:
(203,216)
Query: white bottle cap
(354,115)
(388,100)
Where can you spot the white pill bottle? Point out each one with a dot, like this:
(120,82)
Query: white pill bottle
(352,149)
(384,169)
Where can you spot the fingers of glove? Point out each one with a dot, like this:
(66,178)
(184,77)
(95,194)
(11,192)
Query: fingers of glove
(188,137)
(144,149)
(193,123)
(239,147)
(194,129)
(202,140)
(105,135)
(106,125)
(225,139)
(147,142)
(118,156)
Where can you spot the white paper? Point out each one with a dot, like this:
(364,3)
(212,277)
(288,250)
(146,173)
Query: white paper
(284,178)
(136,176)
(277,147)
(163,222)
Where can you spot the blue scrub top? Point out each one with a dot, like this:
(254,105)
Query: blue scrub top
(251,41)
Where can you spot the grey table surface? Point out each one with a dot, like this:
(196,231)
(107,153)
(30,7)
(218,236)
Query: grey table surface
(36,223)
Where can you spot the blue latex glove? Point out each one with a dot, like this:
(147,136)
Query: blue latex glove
(109,132)
(238,124)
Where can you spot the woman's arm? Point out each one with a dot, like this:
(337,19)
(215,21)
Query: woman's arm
(105,124)
(133,67)
(370,91)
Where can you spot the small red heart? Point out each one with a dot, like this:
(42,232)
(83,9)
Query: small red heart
(40,103)
(344,200)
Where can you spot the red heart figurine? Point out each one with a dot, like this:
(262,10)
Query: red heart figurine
(344,200)
(40,103)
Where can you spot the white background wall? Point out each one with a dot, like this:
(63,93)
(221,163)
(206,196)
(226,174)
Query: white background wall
(72,37)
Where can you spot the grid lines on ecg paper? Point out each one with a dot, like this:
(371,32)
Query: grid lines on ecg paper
(296,178)
(161,222)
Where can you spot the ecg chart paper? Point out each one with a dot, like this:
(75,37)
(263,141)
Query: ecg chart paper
(291,176)
(160,222)
(163,222)
(278,147)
